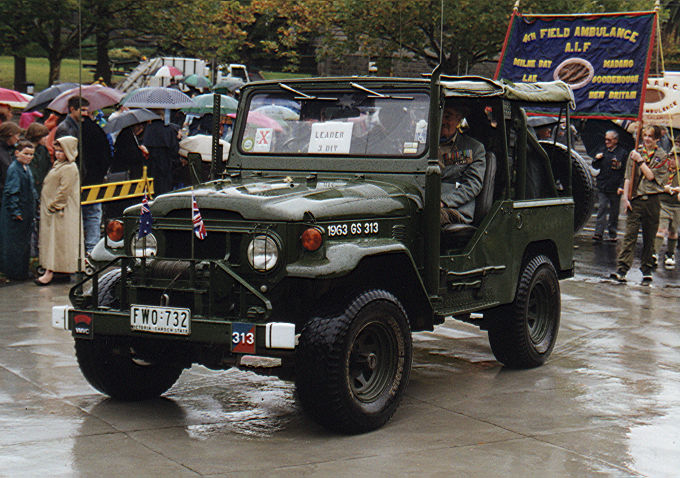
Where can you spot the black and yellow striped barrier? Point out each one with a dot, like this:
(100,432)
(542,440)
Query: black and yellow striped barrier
(97,193)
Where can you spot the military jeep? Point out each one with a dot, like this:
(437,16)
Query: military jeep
(324,249)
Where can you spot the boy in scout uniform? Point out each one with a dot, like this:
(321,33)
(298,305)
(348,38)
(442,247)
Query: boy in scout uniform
(669,217)
(651,176)
(463,161)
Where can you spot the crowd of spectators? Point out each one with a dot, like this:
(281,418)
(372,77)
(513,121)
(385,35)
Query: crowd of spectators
(41,173)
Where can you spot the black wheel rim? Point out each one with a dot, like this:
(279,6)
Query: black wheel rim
(373,361)
(539,313)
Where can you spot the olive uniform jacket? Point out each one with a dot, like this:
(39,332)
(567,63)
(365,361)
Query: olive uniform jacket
(463,162)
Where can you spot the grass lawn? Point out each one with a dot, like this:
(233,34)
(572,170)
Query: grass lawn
(37,71)
(283,75)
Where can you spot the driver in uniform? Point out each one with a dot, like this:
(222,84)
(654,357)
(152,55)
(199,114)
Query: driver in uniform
(463,162)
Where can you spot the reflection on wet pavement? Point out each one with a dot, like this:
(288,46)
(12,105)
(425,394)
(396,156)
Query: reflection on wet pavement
(607,402)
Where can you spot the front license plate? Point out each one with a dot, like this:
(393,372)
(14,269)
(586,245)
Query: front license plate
(161,320)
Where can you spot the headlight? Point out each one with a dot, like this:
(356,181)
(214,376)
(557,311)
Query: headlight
(263,253)
(146,246)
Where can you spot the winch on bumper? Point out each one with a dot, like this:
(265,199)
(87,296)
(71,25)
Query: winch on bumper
(196,301)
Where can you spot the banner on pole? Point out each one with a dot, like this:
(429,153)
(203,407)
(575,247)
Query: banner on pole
(603,57)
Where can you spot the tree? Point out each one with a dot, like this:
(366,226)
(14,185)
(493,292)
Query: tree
(472,30)
(55,27)
(283,29)
(15,24)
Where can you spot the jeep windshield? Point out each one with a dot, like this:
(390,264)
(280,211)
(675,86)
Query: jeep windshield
(356,122)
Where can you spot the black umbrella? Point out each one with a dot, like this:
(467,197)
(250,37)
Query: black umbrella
(593,131)
(157,97)
(228,85)
(128,118)
(46,96)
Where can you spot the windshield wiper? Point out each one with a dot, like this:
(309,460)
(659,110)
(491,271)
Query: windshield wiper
(304,96)
(375,94)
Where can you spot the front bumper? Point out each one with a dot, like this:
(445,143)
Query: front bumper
(267,338)
(226,310)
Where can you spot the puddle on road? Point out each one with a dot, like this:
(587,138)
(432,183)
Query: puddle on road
(236,401)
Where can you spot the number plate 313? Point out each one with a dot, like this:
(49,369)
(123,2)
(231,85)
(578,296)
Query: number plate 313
(242,338)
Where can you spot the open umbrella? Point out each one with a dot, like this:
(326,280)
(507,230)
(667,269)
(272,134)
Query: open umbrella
(202,144)
(158,97)
(43,98)
(228,85)
(14,99)
(128,118)
(279,113)
(260,120)
(204,104)
(168,71)
(99,97)
(197,81)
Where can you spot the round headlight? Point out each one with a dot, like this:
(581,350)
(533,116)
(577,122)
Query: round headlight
(263,253)
(146,246)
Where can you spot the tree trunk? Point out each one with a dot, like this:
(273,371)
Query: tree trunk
(103,69)
(19,73)
(55,69)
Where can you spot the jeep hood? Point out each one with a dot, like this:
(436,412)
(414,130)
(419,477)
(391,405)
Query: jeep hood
(288,199)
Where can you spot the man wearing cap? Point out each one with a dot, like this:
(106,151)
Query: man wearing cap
(463,162)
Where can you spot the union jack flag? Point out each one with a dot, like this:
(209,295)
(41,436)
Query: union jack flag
(199,227)
(145,218)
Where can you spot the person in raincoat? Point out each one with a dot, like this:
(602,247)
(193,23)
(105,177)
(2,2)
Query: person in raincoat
(61,232)
(40,166)
(16,214)
(9,136)
(162,143)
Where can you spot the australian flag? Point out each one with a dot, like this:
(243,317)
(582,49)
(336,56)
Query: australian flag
(199,227)
(145,219)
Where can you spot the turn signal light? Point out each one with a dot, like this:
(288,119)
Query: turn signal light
(114,230)
(311,239)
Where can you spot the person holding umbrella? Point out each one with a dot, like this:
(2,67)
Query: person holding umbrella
(78,108)
(162,143)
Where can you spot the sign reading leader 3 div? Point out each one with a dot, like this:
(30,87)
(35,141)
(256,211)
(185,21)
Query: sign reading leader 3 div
(603,57)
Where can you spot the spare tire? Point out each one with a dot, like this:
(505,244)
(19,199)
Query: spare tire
(582,181)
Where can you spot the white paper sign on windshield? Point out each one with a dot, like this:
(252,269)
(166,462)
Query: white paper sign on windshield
(263,140)
(332,137)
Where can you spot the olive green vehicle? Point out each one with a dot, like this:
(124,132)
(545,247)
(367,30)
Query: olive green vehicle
(324,248)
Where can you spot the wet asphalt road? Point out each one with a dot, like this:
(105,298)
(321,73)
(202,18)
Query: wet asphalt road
(607,403)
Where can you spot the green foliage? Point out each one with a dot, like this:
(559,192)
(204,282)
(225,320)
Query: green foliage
(126,53)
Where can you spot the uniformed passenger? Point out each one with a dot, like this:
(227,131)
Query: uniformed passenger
(463,161)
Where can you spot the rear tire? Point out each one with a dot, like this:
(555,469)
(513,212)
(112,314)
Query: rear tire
(582,182)
(523,334)
(352,369)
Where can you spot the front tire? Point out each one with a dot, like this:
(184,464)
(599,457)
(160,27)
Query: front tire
(111,365)
(352,369)
(114,367)
(523,334)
